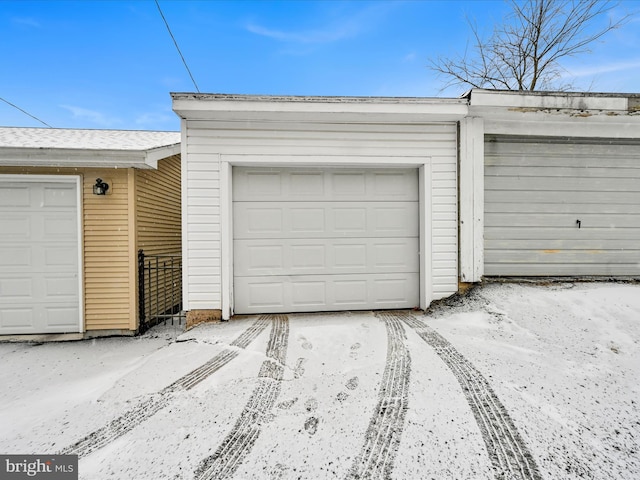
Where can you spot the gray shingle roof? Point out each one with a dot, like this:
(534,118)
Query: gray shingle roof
(76,139)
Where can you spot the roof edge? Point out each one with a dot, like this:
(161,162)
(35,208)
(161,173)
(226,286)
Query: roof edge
(314,98)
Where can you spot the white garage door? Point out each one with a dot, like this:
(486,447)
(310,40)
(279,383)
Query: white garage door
(310,240)
(39,280)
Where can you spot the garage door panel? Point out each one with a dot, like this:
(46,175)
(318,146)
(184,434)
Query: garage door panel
(15,227)
(60,288)
(59,196)
(324,185)
(17,319)
(324,220)
(15,258)
(309,293)
(62,318)
(60,226)
(61,258)
(16,288)
(319,256)
(15,196)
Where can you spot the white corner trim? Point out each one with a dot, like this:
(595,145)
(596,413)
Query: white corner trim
(426,234)
(226,237)
(184,174)
(471,199)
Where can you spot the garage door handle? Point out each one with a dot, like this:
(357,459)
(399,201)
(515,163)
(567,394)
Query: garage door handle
(579,223)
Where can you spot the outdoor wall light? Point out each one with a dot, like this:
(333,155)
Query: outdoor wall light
(100,188)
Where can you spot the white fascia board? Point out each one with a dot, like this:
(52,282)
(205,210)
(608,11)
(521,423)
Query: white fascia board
(591,115)
(590,124)
(156,154)
(319,109)
(44,157)
(550,100)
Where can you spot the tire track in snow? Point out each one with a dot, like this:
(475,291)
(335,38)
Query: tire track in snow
(382,438)
(240,440)
(150,406)
(510,457)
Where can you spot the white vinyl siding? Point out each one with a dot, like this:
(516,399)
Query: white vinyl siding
(207,143)
(536,192)
(39,256)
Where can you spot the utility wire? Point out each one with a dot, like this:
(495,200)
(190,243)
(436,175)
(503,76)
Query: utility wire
(177,47)
(25,112)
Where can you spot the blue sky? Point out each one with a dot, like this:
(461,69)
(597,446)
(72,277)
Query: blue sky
(112,64)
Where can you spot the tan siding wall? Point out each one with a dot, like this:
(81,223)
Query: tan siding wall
(158,208)
(106,246)
(158,228)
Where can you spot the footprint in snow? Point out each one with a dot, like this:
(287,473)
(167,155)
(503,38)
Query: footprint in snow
(353,383)
(311,404)
(311,425)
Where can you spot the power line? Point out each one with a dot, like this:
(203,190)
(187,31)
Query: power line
(27,113)
(177,47)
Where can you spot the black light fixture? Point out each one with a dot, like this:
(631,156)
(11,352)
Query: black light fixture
(100,188)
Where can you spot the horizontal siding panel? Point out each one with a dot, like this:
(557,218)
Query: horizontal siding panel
(559,197)
(548,183)
(320,149)
(613,243)
(577,256)
(560,171)
(589,220)
(198,128)
(564,208)
(567,233)
(542,269)
(204,210)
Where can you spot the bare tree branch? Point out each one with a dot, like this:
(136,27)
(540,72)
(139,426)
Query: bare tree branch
(526,52)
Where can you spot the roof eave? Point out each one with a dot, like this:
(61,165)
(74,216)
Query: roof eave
(58,157)
(318,109)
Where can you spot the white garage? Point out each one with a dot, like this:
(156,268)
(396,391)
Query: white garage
(559,184)
(299,204)
(39,254)
(321,240)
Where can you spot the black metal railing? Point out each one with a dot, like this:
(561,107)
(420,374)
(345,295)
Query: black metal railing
(159,290)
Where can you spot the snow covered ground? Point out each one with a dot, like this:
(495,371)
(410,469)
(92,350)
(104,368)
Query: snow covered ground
(509,381)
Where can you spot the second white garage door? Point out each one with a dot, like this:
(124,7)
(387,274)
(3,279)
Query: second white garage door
(320,240)
(39,262)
